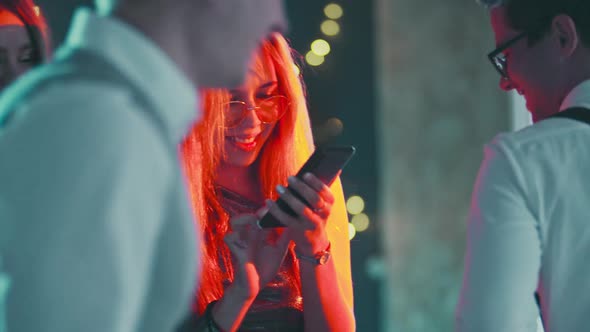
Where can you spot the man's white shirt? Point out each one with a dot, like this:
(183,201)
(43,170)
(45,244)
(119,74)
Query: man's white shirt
(529,227)
(94,241)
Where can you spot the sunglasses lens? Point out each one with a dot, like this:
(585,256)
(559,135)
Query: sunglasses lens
(500,63)
(271,109)
(234,113)
(268,110)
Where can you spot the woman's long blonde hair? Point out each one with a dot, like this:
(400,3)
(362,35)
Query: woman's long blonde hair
(287,147)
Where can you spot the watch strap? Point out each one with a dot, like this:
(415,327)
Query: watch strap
(317,258)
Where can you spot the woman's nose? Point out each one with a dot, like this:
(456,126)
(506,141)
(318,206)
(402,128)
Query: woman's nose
(250,116)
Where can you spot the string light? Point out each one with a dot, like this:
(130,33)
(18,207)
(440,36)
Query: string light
(320,47)
(330,28)
(314,59)
(333,11)
(355,205)
(360,222)
(351,231)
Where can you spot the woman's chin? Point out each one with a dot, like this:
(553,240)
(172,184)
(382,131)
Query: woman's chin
(236,162)
(239,158)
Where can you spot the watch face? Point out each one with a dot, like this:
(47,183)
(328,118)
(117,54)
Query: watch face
(323,257)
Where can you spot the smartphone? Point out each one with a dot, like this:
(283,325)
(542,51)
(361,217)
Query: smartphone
(325,163)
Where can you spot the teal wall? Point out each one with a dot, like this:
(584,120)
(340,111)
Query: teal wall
(438,103)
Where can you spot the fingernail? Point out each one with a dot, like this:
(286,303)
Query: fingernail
(291,179)
(280,189)
(308,176)
(261,212)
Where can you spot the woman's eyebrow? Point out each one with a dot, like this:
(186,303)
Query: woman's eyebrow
(268,84)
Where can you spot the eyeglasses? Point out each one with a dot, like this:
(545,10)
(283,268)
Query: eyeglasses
(498,58)
(267,110)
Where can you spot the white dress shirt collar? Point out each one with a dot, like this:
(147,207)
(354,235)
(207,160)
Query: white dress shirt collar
(142,62)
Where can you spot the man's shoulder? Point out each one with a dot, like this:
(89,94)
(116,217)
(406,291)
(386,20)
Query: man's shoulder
(58,89)
(77,116)
(550,132)
(72,112)
(63,75)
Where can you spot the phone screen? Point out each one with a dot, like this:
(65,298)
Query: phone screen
(325,163)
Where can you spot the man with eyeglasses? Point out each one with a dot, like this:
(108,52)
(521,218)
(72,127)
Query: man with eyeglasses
(529,224)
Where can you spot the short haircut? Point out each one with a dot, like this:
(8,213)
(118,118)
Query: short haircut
(535,16)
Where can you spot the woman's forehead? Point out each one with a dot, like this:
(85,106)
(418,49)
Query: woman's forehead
(259,75)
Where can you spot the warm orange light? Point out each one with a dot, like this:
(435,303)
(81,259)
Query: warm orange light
(334,127)
(8,18)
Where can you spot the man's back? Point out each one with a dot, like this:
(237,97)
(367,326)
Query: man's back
(530,223)
(555,161)
(99,235)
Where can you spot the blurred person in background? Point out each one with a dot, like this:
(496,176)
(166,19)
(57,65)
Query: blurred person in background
(24,43)
(96,231)
(24,39)
(250,141)
(529,224)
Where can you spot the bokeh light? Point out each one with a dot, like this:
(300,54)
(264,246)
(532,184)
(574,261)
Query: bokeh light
(334,127)
(313,59)
(351,231)
(333,11)
(320,47)
(355,205)
(361,222)
(330,28)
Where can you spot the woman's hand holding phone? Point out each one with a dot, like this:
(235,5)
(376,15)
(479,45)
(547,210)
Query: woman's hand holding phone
(325,164)
(308,227)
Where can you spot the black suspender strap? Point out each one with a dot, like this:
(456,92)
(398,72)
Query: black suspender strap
(575,113)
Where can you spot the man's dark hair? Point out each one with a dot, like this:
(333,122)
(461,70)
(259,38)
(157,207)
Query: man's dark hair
(535,16)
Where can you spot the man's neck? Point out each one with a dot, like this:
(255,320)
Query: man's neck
(578,71)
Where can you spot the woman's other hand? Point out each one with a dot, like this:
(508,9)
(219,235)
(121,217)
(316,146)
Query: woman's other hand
(258,253)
